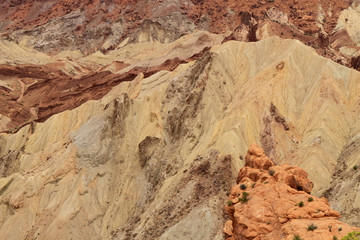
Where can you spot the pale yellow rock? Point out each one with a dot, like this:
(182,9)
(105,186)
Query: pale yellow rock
(81,174)
(147,54)
(11,53)
(349,20)
(4,120)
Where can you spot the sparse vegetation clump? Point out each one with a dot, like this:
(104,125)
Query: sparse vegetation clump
(243,186)
(271,172)
(229,203)
(355,167)
(310,199)
(301,204)
(297,237)
(244,198)
(352,236)
(311,227)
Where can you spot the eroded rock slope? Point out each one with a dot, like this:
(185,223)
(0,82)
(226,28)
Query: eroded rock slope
(153,157)
(53,26)
(274,202)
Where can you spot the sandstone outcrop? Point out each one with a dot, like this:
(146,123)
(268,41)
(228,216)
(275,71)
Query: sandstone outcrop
(154,156)
(124,119)
(92,25)
(274,202)
(48,85)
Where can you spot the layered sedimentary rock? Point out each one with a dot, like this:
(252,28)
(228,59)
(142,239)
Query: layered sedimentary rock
(124,119)
(35,86)
(53,26)
(153,157)
(274,202)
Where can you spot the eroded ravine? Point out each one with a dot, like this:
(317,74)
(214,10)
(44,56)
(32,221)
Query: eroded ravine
(156,155)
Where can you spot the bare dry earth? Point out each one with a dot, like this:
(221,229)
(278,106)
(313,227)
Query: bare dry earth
(154,158)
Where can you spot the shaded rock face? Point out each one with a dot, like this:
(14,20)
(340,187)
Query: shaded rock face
(355,63)
(342,191)
(196,197)
(274,202)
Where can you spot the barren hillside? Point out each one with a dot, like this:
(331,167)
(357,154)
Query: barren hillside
(132,119)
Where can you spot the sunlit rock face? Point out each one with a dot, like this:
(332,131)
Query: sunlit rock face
(53,26)
(274,202)
(132,119)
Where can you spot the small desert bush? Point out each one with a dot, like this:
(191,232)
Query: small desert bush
(297,237)
(312,227)
(244,198)
(352,236)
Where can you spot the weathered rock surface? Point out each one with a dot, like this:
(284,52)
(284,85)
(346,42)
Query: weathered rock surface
(343,190)
(274,202)
(49,85)
(53,26)
(153,157)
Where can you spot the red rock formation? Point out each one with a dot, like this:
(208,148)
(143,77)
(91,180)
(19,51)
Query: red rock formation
(303,13)
(274,202)
(77,19)
(215,16)
(45,91)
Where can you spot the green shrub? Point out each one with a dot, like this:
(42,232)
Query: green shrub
(355,167)
(244,198)
(301,204)
(297,237)
(271,172)
(311,227)
(310,199)
(335,238)
(243,187)
(352,236)
(229,203)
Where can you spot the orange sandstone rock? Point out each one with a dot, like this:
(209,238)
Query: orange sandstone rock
(274,202)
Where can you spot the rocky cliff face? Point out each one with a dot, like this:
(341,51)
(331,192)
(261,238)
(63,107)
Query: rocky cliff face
(274,202)
(155,156)
(130,119)
(55,25)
